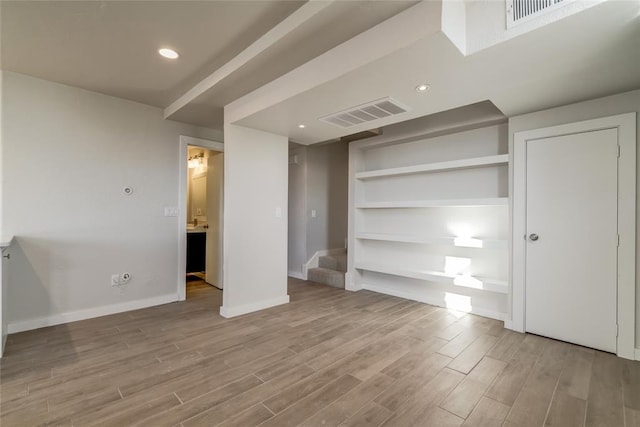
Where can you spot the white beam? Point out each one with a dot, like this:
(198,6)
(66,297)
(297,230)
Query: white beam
(289,24)
(401,30)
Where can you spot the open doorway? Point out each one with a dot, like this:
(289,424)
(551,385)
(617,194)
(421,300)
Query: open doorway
(200,214)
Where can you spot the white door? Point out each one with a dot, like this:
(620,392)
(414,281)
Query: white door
(214,220)
(571,250)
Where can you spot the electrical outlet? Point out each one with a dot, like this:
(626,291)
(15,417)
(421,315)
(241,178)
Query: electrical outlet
(115,280)
(126,277)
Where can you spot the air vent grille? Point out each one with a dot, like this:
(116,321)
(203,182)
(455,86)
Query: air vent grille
(519,11)
(374,110)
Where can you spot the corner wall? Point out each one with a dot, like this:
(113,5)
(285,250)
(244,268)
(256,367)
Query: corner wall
(68,154)
(255,220)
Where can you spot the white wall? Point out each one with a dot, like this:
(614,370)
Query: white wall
(485,21)
(68,154)
(255,220)
(602,107)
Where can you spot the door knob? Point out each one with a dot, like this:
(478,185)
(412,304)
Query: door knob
(533,237)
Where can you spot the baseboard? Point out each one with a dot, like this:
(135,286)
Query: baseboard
(296,274)
(349,285)
(432,301)
(73,316)
(250,308)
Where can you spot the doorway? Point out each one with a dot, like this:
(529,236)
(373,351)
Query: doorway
(573,233)
(200,214)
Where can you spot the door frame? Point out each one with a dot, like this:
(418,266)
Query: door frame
(185,141)
(626,126)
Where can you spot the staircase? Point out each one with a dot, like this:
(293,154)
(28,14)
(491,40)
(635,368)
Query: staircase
(330,270)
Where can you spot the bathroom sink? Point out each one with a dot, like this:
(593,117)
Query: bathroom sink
(195,228)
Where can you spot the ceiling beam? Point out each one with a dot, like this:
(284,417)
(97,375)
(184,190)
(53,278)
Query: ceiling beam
(397,32)
(303,14)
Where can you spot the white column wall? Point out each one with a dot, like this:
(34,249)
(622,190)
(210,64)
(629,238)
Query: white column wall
(255,220)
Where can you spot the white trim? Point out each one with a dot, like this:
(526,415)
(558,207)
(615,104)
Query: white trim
(250,308)
(185,141)
(90,313)
(637,354)
(296,274)
(199,142)
(315,259)
(432,301)
(350,284)
(626,125)
(5,242)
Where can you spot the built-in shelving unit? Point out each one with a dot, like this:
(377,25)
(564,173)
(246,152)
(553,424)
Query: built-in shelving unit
(428,215)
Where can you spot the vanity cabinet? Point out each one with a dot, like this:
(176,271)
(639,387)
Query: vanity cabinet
(196,251)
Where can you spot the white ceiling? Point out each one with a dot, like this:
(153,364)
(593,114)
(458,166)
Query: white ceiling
(111,46)
(276,64)
(587,55)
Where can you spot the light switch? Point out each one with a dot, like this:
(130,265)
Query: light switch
(314,213)
(278,212)
(170,211)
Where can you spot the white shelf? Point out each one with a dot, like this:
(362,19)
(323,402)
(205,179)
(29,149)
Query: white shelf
(500,159)
(494,201)
(441,241)
(484,284)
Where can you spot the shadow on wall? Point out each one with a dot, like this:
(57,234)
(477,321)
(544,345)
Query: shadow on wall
(338,195)
(27,293)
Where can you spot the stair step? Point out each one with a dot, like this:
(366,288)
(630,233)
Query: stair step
(326,276)
(333,262)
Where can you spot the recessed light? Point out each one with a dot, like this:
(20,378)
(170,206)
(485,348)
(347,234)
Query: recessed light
(301,126)
(168,53)
(422,88)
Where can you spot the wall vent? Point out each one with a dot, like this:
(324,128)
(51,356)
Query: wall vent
(519,11)
(374,110)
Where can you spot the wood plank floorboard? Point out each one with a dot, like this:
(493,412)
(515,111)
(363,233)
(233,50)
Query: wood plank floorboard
(328,358)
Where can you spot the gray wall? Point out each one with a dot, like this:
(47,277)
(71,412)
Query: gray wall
(68,154)
(601,107)
(319,182)
(297,230)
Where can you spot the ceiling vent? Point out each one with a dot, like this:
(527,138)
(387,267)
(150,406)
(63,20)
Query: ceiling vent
(374,110)
(519,11)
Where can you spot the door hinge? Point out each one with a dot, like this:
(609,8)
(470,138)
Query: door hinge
(618,151)
(618,241)
(617,330)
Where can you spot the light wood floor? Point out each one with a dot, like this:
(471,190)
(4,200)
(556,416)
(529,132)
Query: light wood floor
(328,358)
